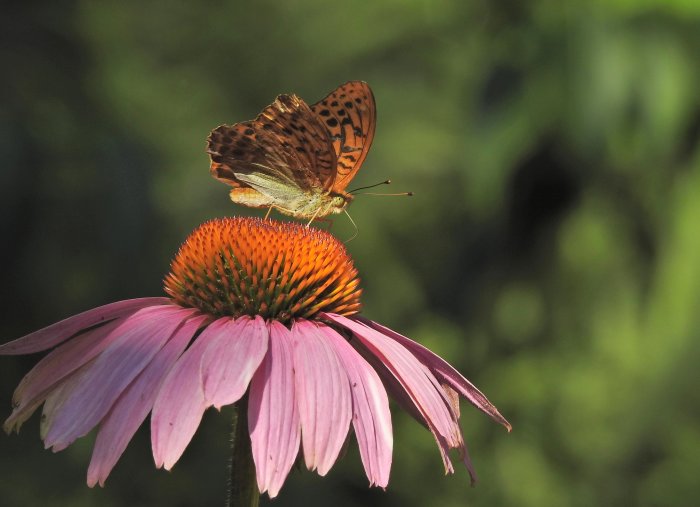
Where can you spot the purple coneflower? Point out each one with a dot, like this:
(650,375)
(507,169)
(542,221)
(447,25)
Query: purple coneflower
(261,311)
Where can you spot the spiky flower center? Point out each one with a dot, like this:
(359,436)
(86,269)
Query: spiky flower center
(278,270)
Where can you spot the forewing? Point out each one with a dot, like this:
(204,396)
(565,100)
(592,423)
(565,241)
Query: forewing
(284,146)
(349,113)
(299,129)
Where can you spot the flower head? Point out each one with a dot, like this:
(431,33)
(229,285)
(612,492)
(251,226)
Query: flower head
(259,307)
(276,270)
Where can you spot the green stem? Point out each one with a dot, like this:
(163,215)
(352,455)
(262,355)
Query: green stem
(243,485)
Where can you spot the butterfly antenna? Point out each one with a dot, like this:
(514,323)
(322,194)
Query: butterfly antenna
(386,182)
(407,194)
(357,230)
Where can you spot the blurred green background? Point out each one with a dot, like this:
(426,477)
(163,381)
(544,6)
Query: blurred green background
(551,252)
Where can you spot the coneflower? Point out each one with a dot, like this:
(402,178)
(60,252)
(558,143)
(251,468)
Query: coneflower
(263,314)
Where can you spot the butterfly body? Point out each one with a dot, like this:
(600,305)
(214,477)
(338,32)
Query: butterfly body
(294,157)
(298,204)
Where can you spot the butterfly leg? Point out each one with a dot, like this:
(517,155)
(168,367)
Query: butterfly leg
(357,230)
(313,218)
(267,215)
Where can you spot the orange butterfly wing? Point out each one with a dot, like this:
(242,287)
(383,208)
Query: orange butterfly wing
(286,143)
(349,113)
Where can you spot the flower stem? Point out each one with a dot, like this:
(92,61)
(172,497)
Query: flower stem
(243,486)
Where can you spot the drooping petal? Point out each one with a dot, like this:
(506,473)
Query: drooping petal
(232,357)
(140,337)
(54,334)
(273,416)
(371,417)
(135,403)
(420,385)
(53,369)
(393,387)
(403,398)
(55,401)
(445,372)
(180,403)
(323,396)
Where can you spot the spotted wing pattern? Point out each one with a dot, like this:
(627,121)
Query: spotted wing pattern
(349,114)
(284,148)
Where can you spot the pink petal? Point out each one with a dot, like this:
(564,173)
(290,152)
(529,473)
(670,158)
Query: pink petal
(180,403)
(393,387)
(445,372)
(323,395)
(371,416)
(56,400)
(273,416)
(232,357)
(54,334)
(399,394)
(135,403)
(420,385)
(53,369)
(140,337)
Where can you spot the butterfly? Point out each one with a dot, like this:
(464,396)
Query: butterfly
(296,158)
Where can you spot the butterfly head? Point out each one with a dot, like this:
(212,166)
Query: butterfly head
(339,201)
(324,204)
